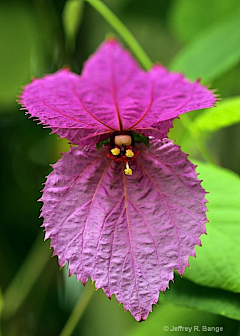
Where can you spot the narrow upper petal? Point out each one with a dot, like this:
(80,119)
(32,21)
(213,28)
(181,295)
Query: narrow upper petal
(112,94)
(128,233)
(116,87)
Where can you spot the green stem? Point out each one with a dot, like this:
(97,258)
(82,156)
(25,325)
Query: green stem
(123,31)
(78,310)
(26,277)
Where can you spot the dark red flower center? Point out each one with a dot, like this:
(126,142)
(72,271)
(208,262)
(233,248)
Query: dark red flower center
(123,150)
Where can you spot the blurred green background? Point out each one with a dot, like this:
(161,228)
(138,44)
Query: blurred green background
(38,37)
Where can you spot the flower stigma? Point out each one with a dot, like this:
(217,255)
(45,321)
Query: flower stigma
(128,170)
(123,140)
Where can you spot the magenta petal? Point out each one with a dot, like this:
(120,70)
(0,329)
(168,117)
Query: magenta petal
(140,100)
(53,100)
(110,75)
(158,131)
(170,95)
(128,233)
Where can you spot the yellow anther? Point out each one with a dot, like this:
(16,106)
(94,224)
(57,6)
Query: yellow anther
(115,151)
(129,153)
(128,171)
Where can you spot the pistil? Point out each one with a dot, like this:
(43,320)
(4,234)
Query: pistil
(128,170)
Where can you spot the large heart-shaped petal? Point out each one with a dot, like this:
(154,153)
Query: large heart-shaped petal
(128,233)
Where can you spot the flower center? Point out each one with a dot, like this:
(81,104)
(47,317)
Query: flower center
(123,151)
(122,147)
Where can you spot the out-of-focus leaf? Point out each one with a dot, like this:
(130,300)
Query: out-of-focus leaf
(216,301)
(228,84)
(225,114)
(212,53)
(72,17)
(217,263)
(17,33)
(188,18)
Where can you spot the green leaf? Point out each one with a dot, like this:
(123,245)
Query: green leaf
(225,114)
(101,143)
(211,54)
(140,139)
(217,263)
(72,18)
(187,18)
(216,301)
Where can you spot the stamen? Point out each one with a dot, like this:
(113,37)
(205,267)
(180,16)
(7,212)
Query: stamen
(122,150)
(128,170)
(129,153)
(115,151)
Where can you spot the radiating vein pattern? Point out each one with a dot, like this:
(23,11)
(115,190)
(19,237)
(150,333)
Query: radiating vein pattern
(112,94)
(128,233)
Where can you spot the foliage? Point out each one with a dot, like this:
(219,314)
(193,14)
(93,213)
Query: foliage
(227,113)
(216,264)
(216,301)
(188,19)
(219,45)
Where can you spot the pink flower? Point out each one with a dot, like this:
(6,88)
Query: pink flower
(129,215)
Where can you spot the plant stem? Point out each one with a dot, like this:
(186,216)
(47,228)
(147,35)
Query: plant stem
(78,310)
(26,277)
(123,31)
